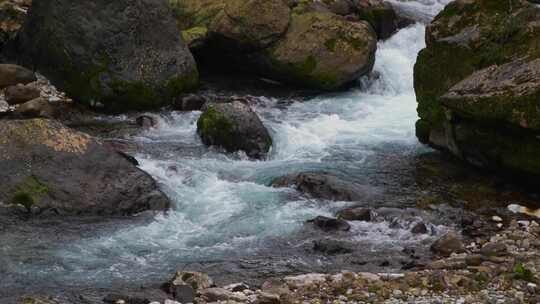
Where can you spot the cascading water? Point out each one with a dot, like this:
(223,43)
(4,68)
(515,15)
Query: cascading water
(224,212)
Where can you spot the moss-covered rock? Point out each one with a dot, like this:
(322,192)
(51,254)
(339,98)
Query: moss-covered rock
(321,50)
(100,53)
(312,48)
(478,77)
(234,127)
(46,166)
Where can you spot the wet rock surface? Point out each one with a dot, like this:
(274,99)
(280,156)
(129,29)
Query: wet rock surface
(326,186)
(235,127)
(47,167)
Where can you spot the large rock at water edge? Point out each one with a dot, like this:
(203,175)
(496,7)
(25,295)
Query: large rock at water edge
(311,48)
(46,166)
(478,85)
(122,54)
(322,51)
(235,127)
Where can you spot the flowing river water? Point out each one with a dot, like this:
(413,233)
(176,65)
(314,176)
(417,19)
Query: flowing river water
(226,220)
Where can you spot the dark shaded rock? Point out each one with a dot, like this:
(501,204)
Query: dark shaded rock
(341,7)
(46,166)
(146,121)
(183,293)
(326,186)
(380,15)
(238,287)
(11,74)
(448,244)
(192,102)
(20,94)
(119,54)
(420,228)
(356,214)
(330,224)
(328,246)
(12,17)
(234,127)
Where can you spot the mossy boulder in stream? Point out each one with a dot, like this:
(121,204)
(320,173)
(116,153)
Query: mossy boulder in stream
(322,51)
(274,39)
(235,127)
(478,84)
(121,54)
(45,166)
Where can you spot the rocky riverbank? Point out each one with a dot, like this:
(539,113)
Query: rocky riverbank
(501,268)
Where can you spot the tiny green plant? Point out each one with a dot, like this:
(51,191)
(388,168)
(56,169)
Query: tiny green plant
(522,273)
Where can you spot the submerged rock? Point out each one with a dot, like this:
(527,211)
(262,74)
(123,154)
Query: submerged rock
(325,186)
(120,54)
(46,166)
(477,84)
(330,224)
(235,127)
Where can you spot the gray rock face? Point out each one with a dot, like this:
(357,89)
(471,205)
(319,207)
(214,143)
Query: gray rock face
(11,74)
(46,166)
(508,92)
(234,127)
(123,54)
(326,186)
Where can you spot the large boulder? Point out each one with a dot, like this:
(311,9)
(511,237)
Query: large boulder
(117,54)
(322,51)
(326,186)
(235,127)
(477,84)
(46,166)
(306,47)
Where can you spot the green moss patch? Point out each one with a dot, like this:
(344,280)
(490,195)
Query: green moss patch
(30,191)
